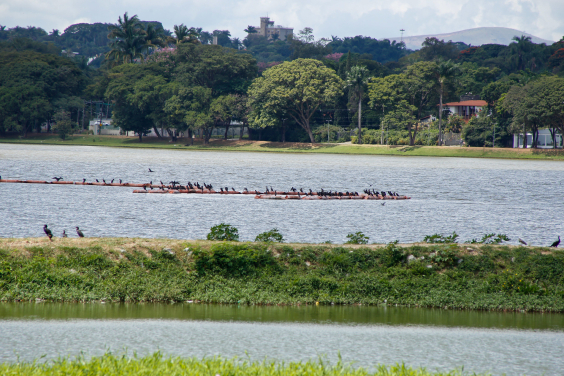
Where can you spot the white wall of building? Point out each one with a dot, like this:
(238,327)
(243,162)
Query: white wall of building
(544,141)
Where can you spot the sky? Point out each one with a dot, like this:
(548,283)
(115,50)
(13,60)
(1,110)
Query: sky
(374,18)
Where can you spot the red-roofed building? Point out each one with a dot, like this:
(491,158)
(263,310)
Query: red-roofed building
(469,105)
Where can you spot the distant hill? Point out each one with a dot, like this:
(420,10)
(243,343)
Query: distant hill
(475,37)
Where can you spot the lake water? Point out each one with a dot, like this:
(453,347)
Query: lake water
(469,196)
(511,343)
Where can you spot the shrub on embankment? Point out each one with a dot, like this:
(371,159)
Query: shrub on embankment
(156,364)
(436,275)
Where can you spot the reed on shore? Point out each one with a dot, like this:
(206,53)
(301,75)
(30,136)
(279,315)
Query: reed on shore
(453,276)
(157,364)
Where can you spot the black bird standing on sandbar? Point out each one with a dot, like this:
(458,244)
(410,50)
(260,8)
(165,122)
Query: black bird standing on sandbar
(64,234)
(83,181)
(48,233)
(79,233)
(556,243)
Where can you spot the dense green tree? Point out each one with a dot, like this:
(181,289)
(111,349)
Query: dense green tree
(382,51)
(434,48)
(401,116)
(416,86)
(149,94)
(537,104)
(63,126)
(298,87)
(478,132)
(131,112)
(31,84)
(223,70)
(20,44)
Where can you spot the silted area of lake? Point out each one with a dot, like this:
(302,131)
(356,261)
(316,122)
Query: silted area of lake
(470,196)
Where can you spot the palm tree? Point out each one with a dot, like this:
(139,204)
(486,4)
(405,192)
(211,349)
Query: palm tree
(357,78)
(127,40)
(183,34)
(154,37)
(444,71)
(522,45)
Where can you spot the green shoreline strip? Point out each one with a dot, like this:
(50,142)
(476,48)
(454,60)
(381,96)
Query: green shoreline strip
(263,146)
(478,277)
(157,364)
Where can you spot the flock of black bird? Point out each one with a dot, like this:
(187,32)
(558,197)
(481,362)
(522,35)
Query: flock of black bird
(49,233)
(176,185)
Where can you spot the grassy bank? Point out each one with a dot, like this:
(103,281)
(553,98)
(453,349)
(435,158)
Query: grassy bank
(264,146)
(156,364)
(483,277)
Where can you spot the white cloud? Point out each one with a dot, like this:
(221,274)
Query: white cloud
(376,18)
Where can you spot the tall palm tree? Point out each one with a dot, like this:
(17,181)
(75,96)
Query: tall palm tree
(522,44)
(154,37)
(183,34)
(445,71)
(127,40)
(357,78)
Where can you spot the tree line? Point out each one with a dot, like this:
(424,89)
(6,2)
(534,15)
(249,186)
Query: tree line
(178,82)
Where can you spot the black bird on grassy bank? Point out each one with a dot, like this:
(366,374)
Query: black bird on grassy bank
(79,233)
(522,241)
(48,233)
(556,243)
(64,234)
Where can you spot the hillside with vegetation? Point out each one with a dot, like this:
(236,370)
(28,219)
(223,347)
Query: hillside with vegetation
(360,89)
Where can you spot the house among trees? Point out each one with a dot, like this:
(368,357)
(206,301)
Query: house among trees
(469,105)
(271,31)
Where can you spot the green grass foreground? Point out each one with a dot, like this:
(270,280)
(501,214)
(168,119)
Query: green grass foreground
(156,364)
(266,146)
(482,277)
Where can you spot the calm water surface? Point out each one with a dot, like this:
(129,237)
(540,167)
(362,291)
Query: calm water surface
(470,196)
(437,339)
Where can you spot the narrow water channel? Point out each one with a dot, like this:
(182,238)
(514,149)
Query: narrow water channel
(510,343)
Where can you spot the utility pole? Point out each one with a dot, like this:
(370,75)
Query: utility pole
(402,30)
